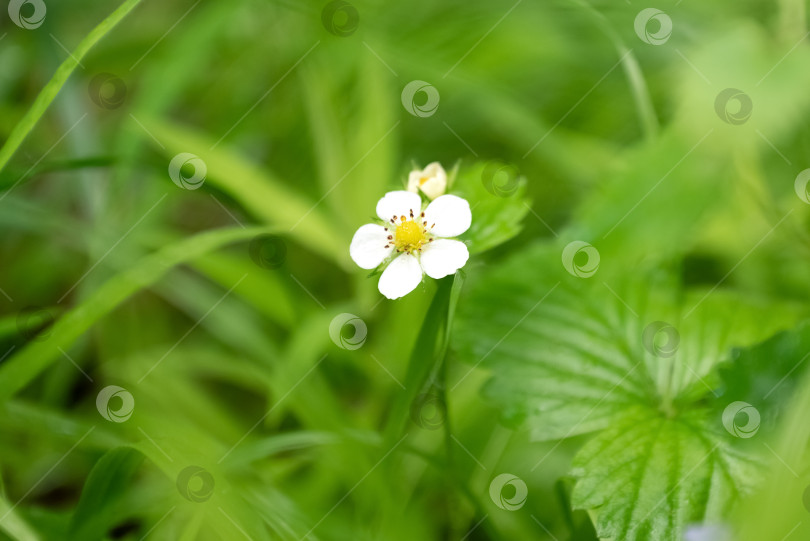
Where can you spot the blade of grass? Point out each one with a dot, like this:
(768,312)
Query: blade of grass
(328,141)
(258,191)
(12,175)
(263,290)
(47,95)
(99,505)
(14,525)
(162,83)
(340,148)
(632,70)
(19,370)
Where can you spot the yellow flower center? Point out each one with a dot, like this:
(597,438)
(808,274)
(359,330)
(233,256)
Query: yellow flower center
(410,236)
(423,180)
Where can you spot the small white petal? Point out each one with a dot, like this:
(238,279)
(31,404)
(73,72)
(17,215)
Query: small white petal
(399,203)
(368,246)
(435,170)
(432,180)
(443,257)
(400,277)
(451,214)
(413,181)
(434,188)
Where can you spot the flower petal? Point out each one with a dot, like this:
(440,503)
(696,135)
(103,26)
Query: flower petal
(400,277)
(451,214)
(443,257)
(432,180)
(368,246)
(414,178)
(399,203)
(434,169)
(433,188)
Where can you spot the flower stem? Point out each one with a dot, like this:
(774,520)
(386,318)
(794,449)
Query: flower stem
(427,355)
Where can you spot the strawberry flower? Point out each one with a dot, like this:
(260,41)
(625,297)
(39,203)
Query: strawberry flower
(413,242)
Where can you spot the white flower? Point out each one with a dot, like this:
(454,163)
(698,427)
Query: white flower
(417,240)
(432,180)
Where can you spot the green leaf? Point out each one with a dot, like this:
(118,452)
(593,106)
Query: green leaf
(47,95)
(569,351)
(648,476)
(767,374)
(779,509)
(575,355)
(19,370)
(496,193)
(98,509)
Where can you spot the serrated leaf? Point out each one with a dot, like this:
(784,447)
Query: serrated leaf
(569,352)
(496,193)
(648,476)
(572,355)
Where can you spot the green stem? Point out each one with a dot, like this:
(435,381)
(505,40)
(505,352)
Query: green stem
(427,355)
(668,399)
(48,94)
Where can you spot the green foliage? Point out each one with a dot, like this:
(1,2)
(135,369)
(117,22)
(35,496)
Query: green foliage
(99,508)
(497,194)
(260,193)
(648,476)
(768,373)
(569,356)
(49,92)
(564,125)
(29,362)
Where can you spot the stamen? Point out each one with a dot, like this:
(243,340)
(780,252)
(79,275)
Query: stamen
(402,217)
(410,235)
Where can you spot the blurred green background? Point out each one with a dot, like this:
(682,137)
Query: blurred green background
(211,307)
